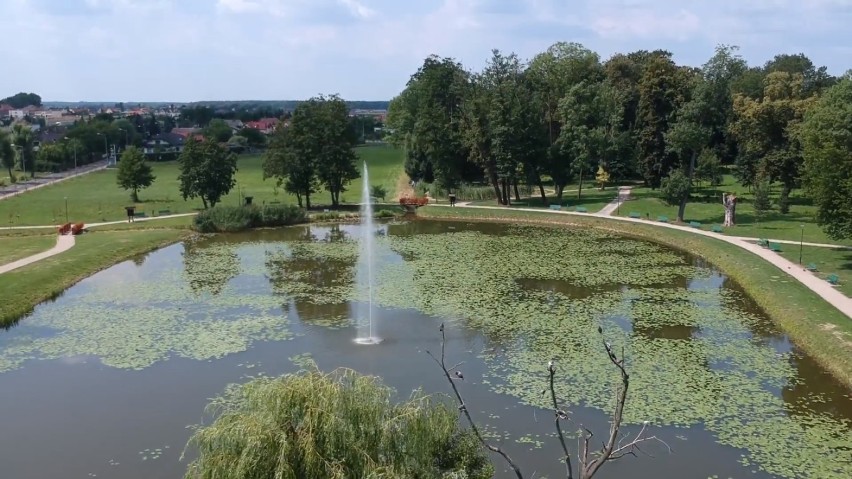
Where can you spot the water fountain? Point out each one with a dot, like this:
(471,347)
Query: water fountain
(364,273)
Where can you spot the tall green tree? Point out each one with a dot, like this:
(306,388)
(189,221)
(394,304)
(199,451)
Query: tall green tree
(284,162)
(336,161)
(134,173)
(7,153)
(206,171)
(23,138)
(826,136)
(765,130)
(218,130)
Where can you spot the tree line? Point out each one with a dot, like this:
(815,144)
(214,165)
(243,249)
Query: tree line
(565,114)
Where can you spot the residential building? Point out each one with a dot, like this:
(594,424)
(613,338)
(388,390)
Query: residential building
(164,143)
(266,126)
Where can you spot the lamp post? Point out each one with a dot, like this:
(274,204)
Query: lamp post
(125,137)
(66,209)
(75,153)
(106,151)
(801,243)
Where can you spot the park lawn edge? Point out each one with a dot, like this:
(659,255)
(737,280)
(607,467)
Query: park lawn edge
(25,288)
(811,323)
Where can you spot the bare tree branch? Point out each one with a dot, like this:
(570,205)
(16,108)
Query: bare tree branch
(464,409)
(551,370)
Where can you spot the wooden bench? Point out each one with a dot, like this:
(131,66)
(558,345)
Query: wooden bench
(716,229)
(635,214)
(775,247)
(833,279)
(276,202)
(581,209)
(556,207)
(140,214)
(164,212)
(663,219)
(695,224)
(812,267)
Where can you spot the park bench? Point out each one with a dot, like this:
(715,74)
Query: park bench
(775,247)
(581,209)
(276,202)
(556,207)
(663,219)
(695,224)
(812,267)
(139,214)
(716,229)
(635,214)
(833,279)
(164,212)
(763,242)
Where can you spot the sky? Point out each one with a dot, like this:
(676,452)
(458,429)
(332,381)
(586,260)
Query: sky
(193,50)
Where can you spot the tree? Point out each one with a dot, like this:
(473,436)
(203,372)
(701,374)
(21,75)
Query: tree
(765,130)
(602,177)
(708,168)
(21,100)
(23,138)
(675,188)
(254,138)
(378,191)
(762,203)
(357,429)
(51,157)
(218,130)
(134,173)
(336,160)
(7,153)
(206,171)
(285,160)
(826,136)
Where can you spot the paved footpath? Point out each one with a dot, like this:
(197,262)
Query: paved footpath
(63,243)
(819,286)
(623,195)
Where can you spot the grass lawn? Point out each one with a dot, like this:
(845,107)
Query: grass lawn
(827,260)
(706,208)
(812,323)
(13,248)
(592,199)
(96,197)
(25,287)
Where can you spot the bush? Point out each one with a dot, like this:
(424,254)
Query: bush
(229,219)
(314,425)
(379,191)
(384,214)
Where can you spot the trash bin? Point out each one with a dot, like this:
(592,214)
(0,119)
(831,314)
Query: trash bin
(248,200)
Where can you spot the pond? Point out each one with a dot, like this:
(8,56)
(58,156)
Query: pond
(106,380)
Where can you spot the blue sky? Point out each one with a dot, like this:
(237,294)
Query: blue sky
(188,50)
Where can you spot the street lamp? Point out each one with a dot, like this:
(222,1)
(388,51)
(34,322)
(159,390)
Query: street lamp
(75,153)
(106,151)
(801,242)
(66,209)
(125,137)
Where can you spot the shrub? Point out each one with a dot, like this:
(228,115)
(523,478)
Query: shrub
(379,191)
(330,216)
(338,425)
(384,214)
(229,219)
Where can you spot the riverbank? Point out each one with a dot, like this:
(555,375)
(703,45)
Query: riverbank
(812,323)
(24,288)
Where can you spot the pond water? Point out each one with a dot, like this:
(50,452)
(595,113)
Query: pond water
(106,380)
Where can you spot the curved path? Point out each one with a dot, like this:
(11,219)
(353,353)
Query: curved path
(623,195)
(819,286)
(63,243)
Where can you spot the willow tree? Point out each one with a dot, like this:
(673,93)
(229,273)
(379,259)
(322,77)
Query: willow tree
(332,426)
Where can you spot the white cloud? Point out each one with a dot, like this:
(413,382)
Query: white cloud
(357,8)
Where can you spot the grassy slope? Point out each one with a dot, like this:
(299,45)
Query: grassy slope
(813,324)
(96,197)
(13,248)
(707,208)
(23,288)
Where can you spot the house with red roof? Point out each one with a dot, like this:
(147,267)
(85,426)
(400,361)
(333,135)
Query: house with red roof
(266,126)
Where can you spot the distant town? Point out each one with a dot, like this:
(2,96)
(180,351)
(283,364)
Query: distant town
(85,132)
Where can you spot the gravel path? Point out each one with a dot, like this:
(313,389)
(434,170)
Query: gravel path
(63,243)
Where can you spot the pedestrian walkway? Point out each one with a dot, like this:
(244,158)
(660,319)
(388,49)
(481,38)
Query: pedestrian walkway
(623,195)
(63,243)
(819,286)
(25,184)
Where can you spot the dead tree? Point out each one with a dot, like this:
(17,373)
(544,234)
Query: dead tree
(589,462)
(729,201)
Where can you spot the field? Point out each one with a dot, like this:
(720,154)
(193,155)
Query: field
(706,208)
(14,248)
(96,197)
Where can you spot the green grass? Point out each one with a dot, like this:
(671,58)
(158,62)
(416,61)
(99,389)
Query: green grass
(96,197)
(25,287)
(13,248)
(706,208)
(812,323)
(827,260)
